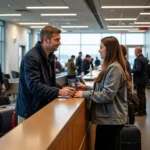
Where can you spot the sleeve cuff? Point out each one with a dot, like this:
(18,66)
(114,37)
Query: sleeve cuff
(86,94)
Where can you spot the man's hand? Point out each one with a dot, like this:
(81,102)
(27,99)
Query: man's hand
(67,91)
(3,88)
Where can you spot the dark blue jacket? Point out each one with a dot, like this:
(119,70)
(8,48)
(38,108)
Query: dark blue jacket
(37,82)
(85,66)
(140,70)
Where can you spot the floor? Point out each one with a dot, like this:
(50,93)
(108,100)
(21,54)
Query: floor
(143,122)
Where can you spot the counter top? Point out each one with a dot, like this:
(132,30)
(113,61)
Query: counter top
(40,130)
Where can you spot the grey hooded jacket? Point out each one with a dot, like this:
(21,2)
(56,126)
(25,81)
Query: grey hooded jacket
(109,97)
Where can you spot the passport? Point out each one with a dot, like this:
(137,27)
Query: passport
(72,82)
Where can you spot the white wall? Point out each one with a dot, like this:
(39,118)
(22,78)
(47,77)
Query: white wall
(15,35)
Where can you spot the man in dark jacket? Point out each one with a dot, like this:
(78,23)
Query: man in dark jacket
(86,64)
(2,85)
(140,75)
(97,62)
(37,82)
(78,63)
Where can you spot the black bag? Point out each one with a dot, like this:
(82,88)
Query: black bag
(130,138)
(4,100)
(135,101)
(8,118)
(131,113)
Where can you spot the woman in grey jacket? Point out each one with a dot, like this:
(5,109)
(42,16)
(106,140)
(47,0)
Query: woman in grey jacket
(109,95)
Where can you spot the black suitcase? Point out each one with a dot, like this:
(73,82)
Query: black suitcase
(4,100)
(8,118)
(130,138)
(131,113)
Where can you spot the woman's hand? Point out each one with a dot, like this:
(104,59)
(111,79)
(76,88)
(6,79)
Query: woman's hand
(80,86)
(79,94)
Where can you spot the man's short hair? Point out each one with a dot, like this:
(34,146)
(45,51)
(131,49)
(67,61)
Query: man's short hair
(87,55)
(73,56)
(139,49)
(48,32)
(80,53)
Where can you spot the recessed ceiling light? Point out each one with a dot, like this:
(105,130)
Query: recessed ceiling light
(118,29)
(111,10)
(144,13)
(58,14)
(141,22)
(8,5)
(122,23)
(37,27)
(10,15)
(127,26)
(115,19)
(123,7)
(33,23)
(119,26)
(48,7)
(74,26)
(136,30)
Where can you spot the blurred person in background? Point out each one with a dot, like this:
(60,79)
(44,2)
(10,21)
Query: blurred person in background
(2,85)
(78,63)
(140,76)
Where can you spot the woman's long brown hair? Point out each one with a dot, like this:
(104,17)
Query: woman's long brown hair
(113,54)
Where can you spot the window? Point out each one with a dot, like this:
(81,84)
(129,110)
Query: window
(2,44)
(118,36)
(90,38)
(70,39)
(67,51)
(29,39)
(91,50)
(135,39)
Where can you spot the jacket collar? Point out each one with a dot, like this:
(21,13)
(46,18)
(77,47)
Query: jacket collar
(42,53)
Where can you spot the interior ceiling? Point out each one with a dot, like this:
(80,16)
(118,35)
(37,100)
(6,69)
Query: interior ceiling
(95,20)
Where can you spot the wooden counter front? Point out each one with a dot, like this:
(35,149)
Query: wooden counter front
(61,125)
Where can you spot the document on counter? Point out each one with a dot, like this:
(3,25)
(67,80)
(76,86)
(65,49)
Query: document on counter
(63,97)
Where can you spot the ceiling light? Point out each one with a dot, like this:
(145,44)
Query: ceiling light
(144,13)
(33,23)
(113,19)
(127,26)
(48,7)
(74,26)
(123,7)
(58,14)
(37,27)
(119,26)
(141,22)
(10,14)
(118,29)
(136,30)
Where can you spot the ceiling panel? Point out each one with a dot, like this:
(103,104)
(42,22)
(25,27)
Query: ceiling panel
(110,2)
(84,14)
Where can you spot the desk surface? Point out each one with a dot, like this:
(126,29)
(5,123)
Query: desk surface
(59,75)
(40,130)
(91,76)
